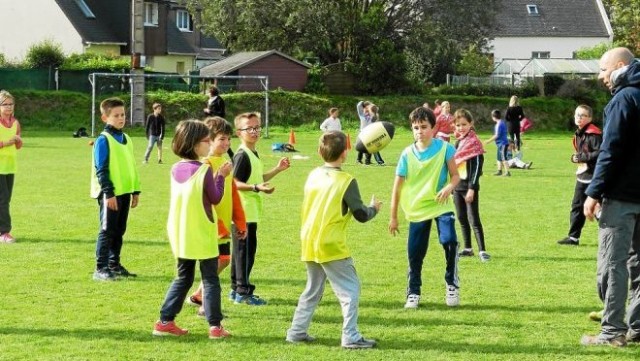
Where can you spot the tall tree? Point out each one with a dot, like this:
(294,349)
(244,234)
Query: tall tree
(625,21)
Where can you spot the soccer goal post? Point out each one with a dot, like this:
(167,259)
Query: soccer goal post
(123,82)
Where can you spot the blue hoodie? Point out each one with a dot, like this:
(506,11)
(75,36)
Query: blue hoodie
(617,171)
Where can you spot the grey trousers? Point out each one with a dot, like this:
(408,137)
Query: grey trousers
(346,286)
(618,266)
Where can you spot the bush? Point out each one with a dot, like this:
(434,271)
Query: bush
(527,90)
(44,54)
(315,84)
(88,61)
(552,84)
(578,90)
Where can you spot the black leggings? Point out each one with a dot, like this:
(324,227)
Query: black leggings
(469,217)
(513,128)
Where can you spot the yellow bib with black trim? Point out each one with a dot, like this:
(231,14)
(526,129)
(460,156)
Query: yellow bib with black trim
(122,168)
(224,209)
(252,201)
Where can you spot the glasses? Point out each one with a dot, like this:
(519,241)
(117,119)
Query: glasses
(6,105)
(252,129)
(582,115)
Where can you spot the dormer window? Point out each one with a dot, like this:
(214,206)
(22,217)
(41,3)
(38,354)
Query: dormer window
(533,10)
(85,9)
(183,20)
(150,14)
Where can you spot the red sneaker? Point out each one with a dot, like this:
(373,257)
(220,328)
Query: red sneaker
(168,329)
(216,332)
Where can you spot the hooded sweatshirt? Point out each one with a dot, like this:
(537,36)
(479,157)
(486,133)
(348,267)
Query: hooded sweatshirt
(617,171)
(587,142)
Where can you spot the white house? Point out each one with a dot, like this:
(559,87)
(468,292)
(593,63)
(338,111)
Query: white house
(548,28)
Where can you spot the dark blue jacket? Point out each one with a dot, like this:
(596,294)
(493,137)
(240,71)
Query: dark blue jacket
(617,172)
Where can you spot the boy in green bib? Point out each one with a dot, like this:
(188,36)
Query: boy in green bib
(331,198)
(426,176)
(116,186)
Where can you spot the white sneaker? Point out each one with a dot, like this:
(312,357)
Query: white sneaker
(484,257)
(453,296)
(412,301)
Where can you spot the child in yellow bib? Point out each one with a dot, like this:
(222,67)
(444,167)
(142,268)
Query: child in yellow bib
(10,142)
(331,198)
(191,228)
(421,189)
(252,182)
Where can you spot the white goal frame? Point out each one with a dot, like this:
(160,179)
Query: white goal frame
(93,77)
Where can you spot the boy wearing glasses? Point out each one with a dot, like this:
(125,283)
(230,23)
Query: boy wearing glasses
(586,143)
(10,142)
(252,182)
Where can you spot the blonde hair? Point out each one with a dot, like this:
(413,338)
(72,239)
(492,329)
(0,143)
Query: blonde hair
(513,102)
(237,122)
(4,95)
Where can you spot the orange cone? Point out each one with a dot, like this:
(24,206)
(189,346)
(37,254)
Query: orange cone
(292,137)
(348,142)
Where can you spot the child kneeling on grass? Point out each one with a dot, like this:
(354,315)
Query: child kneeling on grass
(192,230)
(331,197)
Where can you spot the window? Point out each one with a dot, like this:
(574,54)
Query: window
(541,55)
(85,9)
(183,19)
(533,10)
(150,14)
(180,67)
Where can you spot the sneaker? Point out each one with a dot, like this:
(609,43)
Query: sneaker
(159,161)
(195,300)
(484,257)
(120,271)
(104,274)
(361,343)
(452,296)
(498,173)
(507,174)
(7,238)
(467,252)
(382,164)
(359,161)
(168,329)
(369,163)
(145,161)
(596,315)
(413,301)
(216,332)
(232,295)
(618,341)
(528,165)
(569,241)
(633,338)
(251,300)
(299,339)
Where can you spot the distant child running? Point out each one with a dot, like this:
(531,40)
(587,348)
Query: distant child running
(331,198)
(333,122)
(444,123)
(502,142)
(116,185)
(426,176)
(230,207)
(155,132)
(10,142)
(192,230)
(586,143)
(252,182)
(469,158)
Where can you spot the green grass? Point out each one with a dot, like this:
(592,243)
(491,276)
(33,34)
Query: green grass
(529,303)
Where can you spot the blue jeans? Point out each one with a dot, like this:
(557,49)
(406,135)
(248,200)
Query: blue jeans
(418,244)
(152,141)
(177,293)
(113,225)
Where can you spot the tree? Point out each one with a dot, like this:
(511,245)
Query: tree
(625,21)
(45,54)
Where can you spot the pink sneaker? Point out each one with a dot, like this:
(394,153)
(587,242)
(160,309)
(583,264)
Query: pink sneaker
(216,332)
(168,329)
(7,238)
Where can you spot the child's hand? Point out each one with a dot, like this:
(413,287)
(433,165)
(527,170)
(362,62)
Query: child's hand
(375,203)
(112,204)
(265,187)
(134,200)
(393,226)
(574,158)
(283,164)
(470,195)
(241,234)
(225,169)
(443,196)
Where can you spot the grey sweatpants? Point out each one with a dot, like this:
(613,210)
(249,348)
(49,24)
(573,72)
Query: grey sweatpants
(346,286)
(618,264)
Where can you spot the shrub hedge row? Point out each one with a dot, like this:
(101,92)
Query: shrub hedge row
(63,110)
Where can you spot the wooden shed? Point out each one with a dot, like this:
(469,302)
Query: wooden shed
(283,71)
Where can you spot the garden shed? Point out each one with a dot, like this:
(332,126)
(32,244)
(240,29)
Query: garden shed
(536,68)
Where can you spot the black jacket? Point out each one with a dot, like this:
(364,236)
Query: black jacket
(617,172)
(216,107)
(587,143)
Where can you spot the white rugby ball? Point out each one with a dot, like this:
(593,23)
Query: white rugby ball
(375,136)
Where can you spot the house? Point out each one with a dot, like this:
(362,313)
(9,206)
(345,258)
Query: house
(548,28)
(172,43)
(283,71)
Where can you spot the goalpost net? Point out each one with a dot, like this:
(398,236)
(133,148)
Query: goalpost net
(111,84)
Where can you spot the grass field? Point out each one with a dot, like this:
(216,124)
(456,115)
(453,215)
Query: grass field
(530,302)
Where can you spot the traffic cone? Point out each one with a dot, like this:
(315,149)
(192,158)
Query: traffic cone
(348,142)
(292,137)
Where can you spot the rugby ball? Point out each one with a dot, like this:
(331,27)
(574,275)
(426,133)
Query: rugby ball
(375,136)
